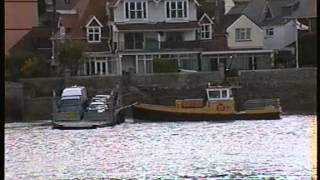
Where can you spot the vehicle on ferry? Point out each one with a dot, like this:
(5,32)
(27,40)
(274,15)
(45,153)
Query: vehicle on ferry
(73,109)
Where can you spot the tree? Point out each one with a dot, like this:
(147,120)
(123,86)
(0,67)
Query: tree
(25,64)
(34,67)
(71,55)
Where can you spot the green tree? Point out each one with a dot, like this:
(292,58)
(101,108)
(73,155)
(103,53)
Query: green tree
(71,55)
(34,67)
(24,64)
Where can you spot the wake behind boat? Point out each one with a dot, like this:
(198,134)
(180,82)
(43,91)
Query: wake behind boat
(218,105)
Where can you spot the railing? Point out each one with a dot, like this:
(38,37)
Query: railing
(260,103)
(151,44)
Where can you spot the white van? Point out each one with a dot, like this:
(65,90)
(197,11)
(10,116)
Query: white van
(80,91)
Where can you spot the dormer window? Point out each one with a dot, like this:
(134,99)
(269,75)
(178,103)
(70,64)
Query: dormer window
(94,30)
(94,34)
(176,9)
(206,31)
(136,10)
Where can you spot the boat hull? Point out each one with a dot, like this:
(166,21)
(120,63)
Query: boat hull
(143,113)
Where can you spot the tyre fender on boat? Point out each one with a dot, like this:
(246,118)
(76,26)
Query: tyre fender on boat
(220,107)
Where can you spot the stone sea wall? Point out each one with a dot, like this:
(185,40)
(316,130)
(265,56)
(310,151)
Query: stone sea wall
(296,89)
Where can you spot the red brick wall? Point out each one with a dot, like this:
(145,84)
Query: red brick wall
(20,17)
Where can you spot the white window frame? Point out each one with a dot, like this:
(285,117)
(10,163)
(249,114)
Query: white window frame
(94,30)
(243,34)
(204,31)
(135,10)
(253,61)
(269,31)
(228,97)
(185,9)
(99,61)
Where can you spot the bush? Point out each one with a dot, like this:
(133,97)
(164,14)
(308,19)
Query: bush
(308,50)
(164,66)
(34,67)
(24,64)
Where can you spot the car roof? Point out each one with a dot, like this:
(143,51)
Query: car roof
(70,97)
(97,103)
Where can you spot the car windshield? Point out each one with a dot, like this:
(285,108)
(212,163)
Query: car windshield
(69,102)
(76,109)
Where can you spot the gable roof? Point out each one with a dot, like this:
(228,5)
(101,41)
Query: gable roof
(92,20)
(256,10)
(243,16)
(205,16)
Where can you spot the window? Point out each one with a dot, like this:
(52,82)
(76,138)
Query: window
(269,32)
(224,93)
(206,31)
(133,40)
(100,66)
(176,9)
(145,64)
(252,63)
(94,34)
(243,34)
(219,94)
(214,94)
(135,10)
(48,2)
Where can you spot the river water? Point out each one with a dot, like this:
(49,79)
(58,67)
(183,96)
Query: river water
(171,150)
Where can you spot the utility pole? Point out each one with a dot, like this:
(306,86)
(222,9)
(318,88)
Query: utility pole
(53,23)
(297,44)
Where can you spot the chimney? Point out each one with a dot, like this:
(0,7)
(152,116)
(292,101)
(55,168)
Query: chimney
(108,14)
(217,11)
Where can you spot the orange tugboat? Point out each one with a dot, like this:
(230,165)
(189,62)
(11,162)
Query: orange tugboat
(218,105)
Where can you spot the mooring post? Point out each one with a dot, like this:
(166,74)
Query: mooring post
(221,71)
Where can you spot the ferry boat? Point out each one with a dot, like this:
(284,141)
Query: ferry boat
(73,109)
(219,104)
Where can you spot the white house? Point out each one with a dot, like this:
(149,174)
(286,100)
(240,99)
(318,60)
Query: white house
(244,33)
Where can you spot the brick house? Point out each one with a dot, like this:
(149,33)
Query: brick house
(16,24)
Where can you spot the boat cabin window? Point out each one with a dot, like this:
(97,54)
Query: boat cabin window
(219,94)
(214,94)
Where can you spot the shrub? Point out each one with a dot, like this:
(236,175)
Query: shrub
(24,64)
(164,66)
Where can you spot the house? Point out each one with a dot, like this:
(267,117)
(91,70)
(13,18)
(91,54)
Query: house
(127,35)
(16,24)
(87,22)
(147,30)
(245,47)
(278,20)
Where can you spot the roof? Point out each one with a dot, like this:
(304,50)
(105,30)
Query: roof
(36,40)
(307,9)
(237,9)
(162,26)
(86,10)
(62,5)
(217,43)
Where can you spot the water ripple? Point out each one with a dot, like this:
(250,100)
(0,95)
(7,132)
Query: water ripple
(172,150)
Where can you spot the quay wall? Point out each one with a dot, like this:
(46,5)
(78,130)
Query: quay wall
(14,103)
(296,89)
